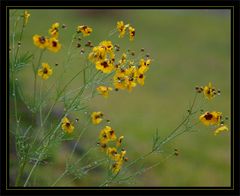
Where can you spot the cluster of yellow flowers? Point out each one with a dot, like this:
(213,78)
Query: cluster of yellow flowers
(127,73)
(121,27)
(212,118)
(43,42)
(51,43)
(107,136)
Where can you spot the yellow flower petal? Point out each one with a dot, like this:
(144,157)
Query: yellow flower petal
(220,129)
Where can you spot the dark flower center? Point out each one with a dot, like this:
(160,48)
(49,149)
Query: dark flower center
(42,39)
(104,64)
(111,132)
(97,116)
(54,44)
(104,135)
(67,124)
(45,70)
(208,116)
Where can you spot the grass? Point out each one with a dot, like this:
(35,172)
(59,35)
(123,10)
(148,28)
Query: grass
(189,48)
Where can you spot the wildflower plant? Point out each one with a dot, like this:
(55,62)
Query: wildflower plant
(104,66)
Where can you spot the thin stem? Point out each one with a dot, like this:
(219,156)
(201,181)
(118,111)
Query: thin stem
(40,155)
(22,165)
(40,106)
(60,177)
(77,162)
(35,78)
(167,139)
(30,174)
(59,95)
(143,170)
(109,181)
(79,137)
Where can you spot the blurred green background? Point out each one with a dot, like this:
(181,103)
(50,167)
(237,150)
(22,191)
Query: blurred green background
(188,48)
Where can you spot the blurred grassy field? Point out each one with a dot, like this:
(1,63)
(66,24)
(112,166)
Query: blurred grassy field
(189,48)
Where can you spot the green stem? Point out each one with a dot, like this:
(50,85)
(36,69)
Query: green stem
(40,106)
(143,170)
(59,95)
(40,155)
(20,173)
(35,78)
(77,162)
(79,137)
(60,177)
(167,139)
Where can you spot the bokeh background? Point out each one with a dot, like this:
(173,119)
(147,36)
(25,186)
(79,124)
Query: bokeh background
(189,48)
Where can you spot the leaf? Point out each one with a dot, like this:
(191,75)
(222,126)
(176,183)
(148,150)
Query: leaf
(22,61)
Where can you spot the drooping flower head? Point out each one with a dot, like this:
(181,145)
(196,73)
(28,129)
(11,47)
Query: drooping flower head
(111,152)
(26,16)
(97,117)
(144,65)
(121,28)
(209,91)
(119,141)
(53,31)
(104,90)
(85,30)
(131,33)
(220,129)
(67,126)
(123,59)
(45,72)
(119,159)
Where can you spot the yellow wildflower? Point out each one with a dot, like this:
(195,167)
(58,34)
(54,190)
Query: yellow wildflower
(119,79)
(131,33)
(209,91)
(119,158)
(220,129)
(45,71)
(98,54)
(85,30)
(67,125)
(26,15)
(144,65)
(107,134)
(119,141)
(104,90)
(121,28)
(96,117)
(53,31)
(107,45)
(123,59)
(211,118)
(40,41)
(54,45)
(105,66)
(116,167)
(140,78)
(130,76)
(111,152)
